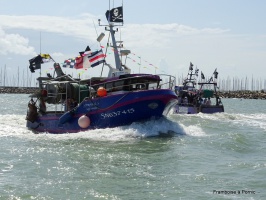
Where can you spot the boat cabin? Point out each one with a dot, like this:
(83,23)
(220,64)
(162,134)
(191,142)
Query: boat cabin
(127,82)
(59,91)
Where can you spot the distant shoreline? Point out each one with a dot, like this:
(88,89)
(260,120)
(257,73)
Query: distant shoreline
(228,94)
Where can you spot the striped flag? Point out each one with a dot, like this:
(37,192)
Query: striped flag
(96,58)
(86,60)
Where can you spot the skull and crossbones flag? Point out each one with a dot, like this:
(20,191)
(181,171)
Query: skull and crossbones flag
(115,15)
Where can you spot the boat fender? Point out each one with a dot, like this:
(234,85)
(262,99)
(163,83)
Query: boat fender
(101,92)
(84,121)
(66,117)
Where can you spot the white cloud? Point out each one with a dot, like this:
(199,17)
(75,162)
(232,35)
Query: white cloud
(57,54)
(81,27)
(176,44)
(162,35)
(14,44)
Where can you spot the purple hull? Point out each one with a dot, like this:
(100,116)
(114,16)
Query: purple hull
(186,109)
(109,111)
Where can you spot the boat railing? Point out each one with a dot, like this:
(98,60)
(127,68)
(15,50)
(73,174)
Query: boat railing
(167,81)
(57,99)
(56,96)
(163,81)
(59,103)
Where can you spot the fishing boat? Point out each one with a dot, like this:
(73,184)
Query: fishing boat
(64,104)
(193,99)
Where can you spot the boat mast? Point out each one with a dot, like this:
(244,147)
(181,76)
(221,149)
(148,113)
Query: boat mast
(113,16)
(116,55)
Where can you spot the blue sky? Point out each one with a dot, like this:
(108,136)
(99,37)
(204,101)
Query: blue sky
(229,35)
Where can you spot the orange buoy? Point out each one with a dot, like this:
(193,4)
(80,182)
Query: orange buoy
(84,121)
(101,92)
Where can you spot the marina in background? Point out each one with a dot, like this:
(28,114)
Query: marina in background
(249,83)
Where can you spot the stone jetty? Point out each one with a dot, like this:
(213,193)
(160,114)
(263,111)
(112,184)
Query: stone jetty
(18,90)
(243,94)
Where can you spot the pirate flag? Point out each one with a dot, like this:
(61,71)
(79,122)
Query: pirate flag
(115,15)
(35,62)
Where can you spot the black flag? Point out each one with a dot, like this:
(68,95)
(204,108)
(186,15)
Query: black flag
(191,66)
(202,76)
(87,49)
(215,73)
(35,63)
(115,15)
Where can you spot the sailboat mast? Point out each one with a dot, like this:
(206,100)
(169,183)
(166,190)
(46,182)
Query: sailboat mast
(1,78)
(5,76)
(18,76)
(40,51)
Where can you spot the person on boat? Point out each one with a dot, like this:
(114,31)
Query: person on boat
(194,101)
(208,102)
(218,101)
(42,105)
(179,99)
(32,113)
(185,101)
(190,98)
(199,101)
(71,103)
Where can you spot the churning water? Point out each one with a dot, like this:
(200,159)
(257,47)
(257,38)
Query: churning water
(203,156)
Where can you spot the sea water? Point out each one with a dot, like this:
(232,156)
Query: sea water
(202,156)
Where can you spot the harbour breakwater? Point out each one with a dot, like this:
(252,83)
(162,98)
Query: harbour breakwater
(18,90)
(244,94)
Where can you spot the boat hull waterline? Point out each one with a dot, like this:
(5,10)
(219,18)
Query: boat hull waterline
(109,111)
(208,109)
